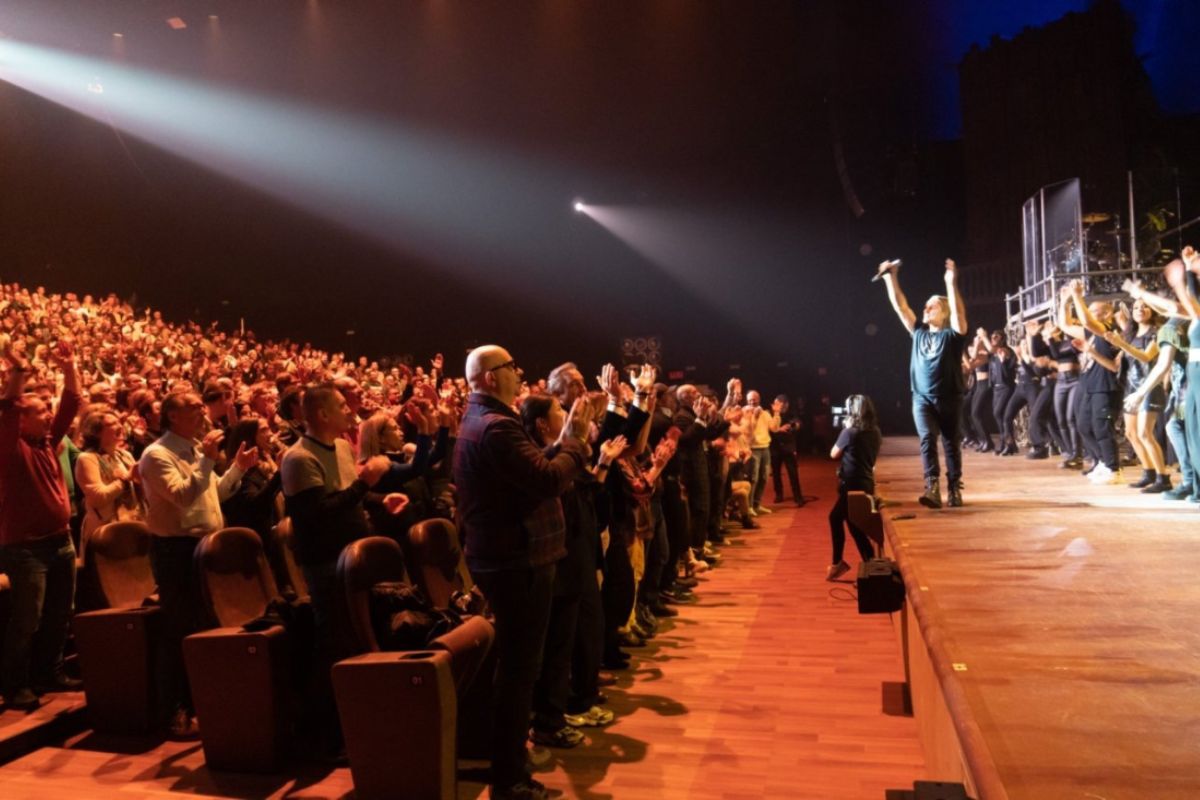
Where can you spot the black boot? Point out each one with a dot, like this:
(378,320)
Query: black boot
(1161,484)
(1038,453)
(1149,476)
(933,494)
(954,494)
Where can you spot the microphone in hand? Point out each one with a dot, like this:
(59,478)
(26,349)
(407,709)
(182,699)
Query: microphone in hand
(885,268)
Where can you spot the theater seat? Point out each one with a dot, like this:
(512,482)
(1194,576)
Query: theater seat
(239,679)
(116,644)
(235,578)
(439,568)
(282,555)
(863,514)
(361,565)
(437,564)
(376,690)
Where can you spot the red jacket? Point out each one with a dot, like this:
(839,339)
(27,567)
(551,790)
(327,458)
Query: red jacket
(33,497)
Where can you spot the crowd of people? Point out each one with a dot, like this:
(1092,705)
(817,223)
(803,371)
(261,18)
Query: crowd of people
(1090,372)
(1084,375)
(110,414)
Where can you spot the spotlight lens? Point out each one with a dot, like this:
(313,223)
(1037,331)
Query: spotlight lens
(578,205)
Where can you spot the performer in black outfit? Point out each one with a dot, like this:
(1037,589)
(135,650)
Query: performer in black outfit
(1002,372)
(1066,383)
(981,396)
(935,372)
(1100,405)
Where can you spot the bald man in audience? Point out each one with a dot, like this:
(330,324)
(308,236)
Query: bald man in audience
(509,512)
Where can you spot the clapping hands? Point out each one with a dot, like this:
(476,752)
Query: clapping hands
(643,381)
(579,421)
(610,382)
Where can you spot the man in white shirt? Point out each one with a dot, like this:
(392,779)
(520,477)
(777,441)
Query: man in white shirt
(183,497)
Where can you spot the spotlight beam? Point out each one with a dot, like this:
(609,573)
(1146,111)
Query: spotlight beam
(446,200)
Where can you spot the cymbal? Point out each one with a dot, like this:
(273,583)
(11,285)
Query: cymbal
(1092,219)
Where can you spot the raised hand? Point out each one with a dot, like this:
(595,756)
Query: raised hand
(1131,287)
(210,445)
(579,420)
(62,354)
(610,382)
(664,452)
(1173,274)
(246,458)
(395,502)
(887,268)
(643,382)
(951,270)
(611,450)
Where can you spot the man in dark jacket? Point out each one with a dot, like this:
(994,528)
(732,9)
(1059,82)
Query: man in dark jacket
(699,423)
(783,452)
(508,511)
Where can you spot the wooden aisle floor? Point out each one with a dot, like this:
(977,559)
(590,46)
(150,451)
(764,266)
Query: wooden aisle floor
(1068,613)
(771,686)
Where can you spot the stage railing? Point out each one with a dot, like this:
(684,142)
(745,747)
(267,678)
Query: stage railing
(1038,301)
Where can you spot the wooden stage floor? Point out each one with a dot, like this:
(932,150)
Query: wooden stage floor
(769,687)
(1067,619)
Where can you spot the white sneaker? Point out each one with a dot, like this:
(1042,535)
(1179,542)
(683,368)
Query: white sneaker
(763,510)
(1114,476)
(1101,474)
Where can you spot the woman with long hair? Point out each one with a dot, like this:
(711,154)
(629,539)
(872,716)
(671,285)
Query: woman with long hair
(1065,359)
(857,448)
(981,396)
(1002,376)
(254,503)
(1141,421)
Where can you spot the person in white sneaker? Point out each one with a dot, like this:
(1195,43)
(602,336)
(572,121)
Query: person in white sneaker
(1099,409)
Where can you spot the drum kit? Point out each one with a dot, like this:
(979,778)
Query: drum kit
(1102,247)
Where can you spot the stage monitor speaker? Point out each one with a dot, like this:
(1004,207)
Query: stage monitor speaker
(937,790)
(929,790)
(880,587)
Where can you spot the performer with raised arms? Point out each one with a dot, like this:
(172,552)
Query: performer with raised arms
(935,371)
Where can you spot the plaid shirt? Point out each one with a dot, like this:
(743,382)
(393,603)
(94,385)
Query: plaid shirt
(508,489)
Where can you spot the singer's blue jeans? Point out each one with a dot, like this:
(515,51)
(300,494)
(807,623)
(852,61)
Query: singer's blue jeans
(936,416)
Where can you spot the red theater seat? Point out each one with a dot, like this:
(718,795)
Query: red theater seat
(399,710)
(117,643)
(239,679)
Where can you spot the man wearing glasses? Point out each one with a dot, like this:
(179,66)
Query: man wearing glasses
(508,509)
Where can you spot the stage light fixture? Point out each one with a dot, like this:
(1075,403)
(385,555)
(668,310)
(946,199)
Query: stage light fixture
(177,23)
(579,206)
